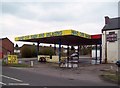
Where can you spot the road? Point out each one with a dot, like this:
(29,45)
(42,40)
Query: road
(12,76)
(32,79)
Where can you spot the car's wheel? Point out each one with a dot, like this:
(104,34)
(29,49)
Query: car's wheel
(39,60)
(44,60)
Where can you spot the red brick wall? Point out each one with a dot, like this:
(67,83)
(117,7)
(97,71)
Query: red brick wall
(7,46)
(1,55)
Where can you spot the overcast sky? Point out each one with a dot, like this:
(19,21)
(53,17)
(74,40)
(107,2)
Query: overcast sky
(34,16)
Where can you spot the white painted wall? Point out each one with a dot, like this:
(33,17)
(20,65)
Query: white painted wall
(112,48)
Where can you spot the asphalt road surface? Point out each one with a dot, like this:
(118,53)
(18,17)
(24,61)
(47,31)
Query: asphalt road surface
(12,76)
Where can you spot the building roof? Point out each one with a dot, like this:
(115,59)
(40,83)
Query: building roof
(7,39)
(113,24)
(54,34)
(65,37)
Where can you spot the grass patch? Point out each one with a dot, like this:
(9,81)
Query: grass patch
(4,63)
(18,65)
(15,65)
(111,76)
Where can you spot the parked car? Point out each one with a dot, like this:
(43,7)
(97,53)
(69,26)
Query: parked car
(42,59)
(118,63)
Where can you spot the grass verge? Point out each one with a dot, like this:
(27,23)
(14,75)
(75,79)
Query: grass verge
(111,76)
(14,65)
(18,65)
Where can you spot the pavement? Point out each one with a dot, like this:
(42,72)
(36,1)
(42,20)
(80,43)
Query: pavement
(84,73)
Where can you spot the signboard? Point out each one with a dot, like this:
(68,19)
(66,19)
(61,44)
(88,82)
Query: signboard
(111,37)
(12,59)
(54,34)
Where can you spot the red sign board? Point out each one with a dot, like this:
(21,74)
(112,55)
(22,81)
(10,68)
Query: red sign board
(111,37)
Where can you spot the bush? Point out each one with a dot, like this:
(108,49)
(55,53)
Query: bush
(47,51)
(28,52)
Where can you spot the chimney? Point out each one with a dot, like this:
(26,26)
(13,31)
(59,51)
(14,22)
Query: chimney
(107,19)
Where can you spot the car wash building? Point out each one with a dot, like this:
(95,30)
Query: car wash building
(67,37)
(111,40)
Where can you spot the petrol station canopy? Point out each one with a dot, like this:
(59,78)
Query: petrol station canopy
(65,37)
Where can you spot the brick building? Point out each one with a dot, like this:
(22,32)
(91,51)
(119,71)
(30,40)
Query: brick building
(6,47)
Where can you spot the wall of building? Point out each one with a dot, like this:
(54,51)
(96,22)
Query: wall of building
(119,44)
(112,48)
(7,47)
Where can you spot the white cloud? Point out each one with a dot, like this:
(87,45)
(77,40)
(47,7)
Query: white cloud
(91,28)
(32,18)
(20,26)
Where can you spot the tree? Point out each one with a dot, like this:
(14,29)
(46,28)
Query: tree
(47,51)
(26,52)
(29,51)
(34,51)
(16,45)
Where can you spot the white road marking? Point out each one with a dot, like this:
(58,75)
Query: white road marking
(11,78)
(2,83)
(16,68)
(18,84)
